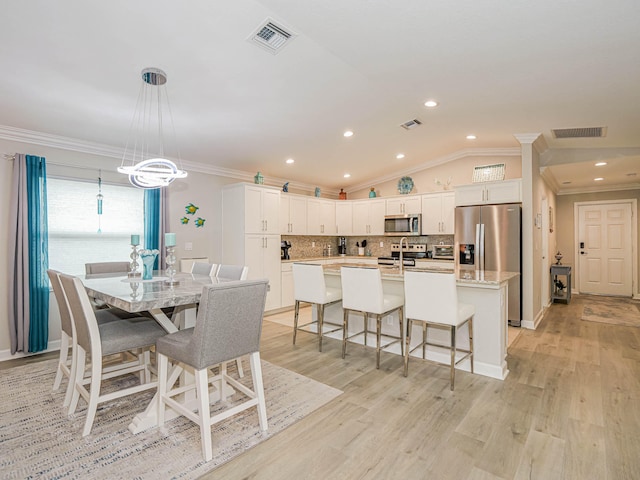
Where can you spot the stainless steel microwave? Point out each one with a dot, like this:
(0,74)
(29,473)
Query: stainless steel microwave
(402,225)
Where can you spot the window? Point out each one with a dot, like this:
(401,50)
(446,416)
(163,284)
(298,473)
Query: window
(73,223)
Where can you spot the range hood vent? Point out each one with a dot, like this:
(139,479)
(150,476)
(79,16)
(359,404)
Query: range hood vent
(271,37)
(583,132)
(411,124)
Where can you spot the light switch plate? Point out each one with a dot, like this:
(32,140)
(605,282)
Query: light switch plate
(188,246)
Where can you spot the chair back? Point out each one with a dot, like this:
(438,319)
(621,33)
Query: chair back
(362,289)
(106,267)
(82,315)
(61,300)
(229,322)
(201,268)
(233,272)
(431,296)
(308,283)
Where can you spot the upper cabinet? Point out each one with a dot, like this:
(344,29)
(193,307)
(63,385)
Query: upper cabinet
(293,214)
(344,218)
(438,213)
(261,209)
(506,191)
(403,205)
(368,217)
(321,217)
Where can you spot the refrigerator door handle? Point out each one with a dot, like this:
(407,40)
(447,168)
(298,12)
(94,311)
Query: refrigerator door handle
(477,260)
(481,246)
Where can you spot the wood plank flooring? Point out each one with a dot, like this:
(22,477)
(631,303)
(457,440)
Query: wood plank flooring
(570,409)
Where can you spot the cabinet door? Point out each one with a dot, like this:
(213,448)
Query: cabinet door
(431,214)
(470,195)
(327,217)
(271,211)
(504,192)
(413,204)
(285,221)
(448,213)
(313,217)
(361,218)
(253,221)
(344,217)
(298,215)
(376,217)
(271,269)
(394,206)
(286,286)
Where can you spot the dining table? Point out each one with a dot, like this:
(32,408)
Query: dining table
(135,295)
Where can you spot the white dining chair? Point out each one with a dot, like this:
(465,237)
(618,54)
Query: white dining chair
(309,286)
(431,298)
(228,325)
(106,267)
(362,291)
(101,340)
(233,272)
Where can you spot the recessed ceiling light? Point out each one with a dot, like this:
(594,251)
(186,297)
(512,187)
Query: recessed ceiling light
(400,156)
(290,160)
(471,137)
(599,179)
(430,103)
(601,164)
(347,175)
(348,133)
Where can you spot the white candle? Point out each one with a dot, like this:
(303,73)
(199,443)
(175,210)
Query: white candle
(170,239)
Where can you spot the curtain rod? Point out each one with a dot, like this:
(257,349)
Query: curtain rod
(12,156)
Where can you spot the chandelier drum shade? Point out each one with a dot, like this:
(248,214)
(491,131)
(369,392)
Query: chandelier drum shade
(146,156)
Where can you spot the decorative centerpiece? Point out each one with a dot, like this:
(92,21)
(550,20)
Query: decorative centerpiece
(405,185)
(558,257)
(258,179)
(133,266)
(148,259)
(170,244)
(372,193)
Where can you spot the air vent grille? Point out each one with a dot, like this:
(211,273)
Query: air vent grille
(411,124)
(583,132)
(271,37)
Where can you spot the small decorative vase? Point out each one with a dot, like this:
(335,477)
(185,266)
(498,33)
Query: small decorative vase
(317,192)
(342,195)
(148,259)
(558,257)
(258,179)
(372,193)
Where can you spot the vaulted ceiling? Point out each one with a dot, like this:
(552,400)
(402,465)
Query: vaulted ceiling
(71,71)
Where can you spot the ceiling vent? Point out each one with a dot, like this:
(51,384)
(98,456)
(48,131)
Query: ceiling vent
(271,37)
(584,132)
(411,124)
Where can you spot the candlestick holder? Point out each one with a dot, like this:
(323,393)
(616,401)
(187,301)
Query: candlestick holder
(133,266)
(171,271)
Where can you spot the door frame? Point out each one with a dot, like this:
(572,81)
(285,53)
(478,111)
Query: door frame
(545,286)
(634,240)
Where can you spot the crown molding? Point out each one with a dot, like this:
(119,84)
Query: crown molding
(75,145)
(550,179)
(611,188)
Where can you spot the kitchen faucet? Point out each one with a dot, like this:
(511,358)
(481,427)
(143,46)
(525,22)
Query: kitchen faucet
(406,242)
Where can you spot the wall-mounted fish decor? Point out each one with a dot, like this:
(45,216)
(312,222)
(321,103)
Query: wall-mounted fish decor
(184,220)
(199,222)
(191,209)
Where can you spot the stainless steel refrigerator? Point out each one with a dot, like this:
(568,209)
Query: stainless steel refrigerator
(489,237)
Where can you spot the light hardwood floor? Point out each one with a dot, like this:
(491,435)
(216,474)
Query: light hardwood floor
(569,409)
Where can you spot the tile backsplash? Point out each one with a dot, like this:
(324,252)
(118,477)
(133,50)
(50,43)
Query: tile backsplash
(303,246)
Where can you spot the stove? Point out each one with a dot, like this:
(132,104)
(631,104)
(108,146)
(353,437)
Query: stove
(410,252)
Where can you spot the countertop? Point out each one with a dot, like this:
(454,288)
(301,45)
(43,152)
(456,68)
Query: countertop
(355,258)
(485,278)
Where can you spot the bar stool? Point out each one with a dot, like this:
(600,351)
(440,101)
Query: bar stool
(432,298)
(362,292)
(309,286)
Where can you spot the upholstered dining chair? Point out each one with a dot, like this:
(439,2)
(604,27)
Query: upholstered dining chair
(431,298)
(228,325)
(233,272)
(309,286)
(362,292)
(101,340)
(201,268)
(106,267)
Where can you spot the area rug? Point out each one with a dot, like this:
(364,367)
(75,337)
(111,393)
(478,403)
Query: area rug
(614,311)
(38,440)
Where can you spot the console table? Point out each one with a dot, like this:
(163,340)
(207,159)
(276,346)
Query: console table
(561,283)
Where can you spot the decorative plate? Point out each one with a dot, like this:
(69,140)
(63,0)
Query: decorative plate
(405,185)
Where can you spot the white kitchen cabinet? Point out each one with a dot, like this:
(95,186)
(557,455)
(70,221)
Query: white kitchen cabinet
(245,209)
(321,217)
(287,297)
(293,215)
(403,205)
(368,217)
(438,213)
(344,218)
(506,191)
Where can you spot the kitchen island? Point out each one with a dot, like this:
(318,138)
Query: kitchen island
(487,290)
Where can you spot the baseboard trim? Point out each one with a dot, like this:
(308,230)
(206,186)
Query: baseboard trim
(6,354)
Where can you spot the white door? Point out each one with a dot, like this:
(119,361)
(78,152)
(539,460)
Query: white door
(604,240)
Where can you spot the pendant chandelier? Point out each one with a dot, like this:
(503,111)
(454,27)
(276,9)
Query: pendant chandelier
(145,159)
